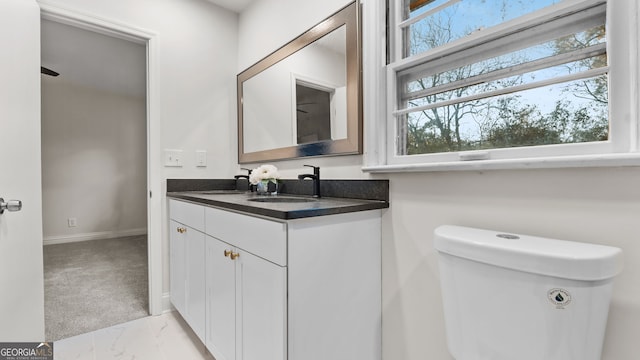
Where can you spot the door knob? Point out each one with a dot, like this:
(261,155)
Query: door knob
(11,205)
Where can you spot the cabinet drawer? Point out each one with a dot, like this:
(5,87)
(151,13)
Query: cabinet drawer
(186,213)
(264,238)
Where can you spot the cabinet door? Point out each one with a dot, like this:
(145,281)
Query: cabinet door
(177,266)
(195,280)
(221,300)
(262,308)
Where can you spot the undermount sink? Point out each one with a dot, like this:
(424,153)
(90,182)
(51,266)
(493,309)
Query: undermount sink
(281,199)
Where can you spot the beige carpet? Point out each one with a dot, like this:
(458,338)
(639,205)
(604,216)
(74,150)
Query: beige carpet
(94,284)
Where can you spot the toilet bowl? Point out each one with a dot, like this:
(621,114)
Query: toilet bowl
(518,297)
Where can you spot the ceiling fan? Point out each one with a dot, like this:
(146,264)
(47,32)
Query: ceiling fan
(46,71)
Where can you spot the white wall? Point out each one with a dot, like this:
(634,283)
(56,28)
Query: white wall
(591,205)
(196,61)
(94,165)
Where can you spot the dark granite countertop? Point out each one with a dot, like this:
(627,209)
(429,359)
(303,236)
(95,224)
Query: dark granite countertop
(344,196)
(241,201)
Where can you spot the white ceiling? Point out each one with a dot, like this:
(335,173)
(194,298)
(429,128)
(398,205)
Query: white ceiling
(86,58)
(234,5)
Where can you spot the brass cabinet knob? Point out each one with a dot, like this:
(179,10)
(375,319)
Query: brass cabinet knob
(234,256)
(181,230)
(227,253)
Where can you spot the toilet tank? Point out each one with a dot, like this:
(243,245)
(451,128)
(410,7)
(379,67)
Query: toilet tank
(509,296)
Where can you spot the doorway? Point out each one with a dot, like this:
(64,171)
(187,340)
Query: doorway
(97,138)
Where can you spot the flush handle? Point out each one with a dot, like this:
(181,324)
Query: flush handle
(11,205)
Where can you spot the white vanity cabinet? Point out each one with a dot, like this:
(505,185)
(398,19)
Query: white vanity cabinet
(246,286)
(221,300)
(303,289)
(178,263)
(187,263)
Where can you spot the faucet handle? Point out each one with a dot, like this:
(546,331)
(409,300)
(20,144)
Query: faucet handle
(248,170)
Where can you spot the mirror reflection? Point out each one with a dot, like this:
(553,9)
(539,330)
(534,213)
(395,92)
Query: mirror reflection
(304,99)
(299,100)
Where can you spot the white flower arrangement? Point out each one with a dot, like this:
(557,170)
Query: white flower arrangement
(264,174)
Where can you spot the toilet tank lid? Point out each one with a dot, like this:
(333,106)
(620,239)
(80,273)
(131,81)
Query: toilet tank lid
(544,256)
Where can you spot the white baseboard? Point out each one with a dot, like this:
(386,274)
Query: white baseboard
(52,240)
(166,303)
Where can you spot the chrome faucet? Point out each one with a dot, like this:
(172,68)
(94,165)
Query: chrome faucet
(315,177)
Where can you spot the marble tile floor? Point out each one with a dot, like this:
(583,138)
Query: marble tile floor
(164,337)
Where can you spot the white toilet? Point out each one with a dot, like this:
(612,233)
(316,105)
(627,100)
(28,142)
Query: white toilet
(517,297)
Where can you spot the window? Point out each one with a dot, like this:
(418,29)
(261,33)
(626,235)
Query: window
(505,81)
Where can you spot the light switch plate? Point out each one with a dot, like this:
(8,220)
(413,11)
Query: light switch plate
(172,157)
(201,158)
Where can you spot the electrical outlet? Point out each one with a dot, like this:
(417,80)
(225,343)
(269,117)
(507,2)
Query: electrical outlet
(72,222)
(172,157)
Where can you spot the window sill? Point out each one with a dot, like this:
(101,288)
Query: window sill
(560,162)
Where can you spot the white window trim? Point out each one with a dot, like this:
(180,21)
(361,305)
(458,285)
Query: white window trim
(622,150)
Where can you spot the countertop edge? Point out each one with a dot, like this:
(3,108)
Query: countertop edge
(359,205)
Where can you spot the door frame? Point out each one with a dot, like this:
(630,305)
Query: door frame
(154,160)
